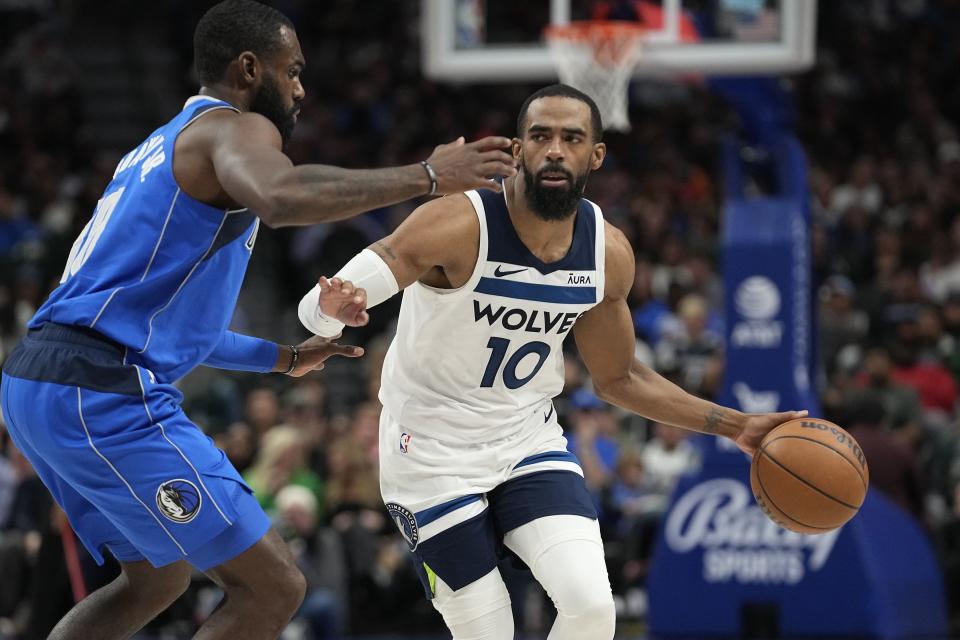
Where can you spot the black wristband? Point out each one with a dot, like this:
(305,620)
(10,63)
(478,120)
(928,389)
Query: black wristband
(432,175)
(294,358)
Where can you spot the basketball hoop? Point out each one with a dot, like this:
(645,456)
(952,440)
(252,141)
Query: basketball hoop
(598,57)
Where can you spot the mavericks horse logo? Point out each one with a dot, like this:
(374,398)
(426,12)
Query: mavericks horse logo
(178,500)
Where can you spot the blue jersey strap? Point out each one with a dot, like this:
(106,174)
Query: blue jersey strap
(238,352)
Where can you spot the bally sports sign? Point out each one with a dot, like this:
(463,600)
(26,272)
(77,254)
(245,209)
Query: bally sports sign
(720,518)
(718,560)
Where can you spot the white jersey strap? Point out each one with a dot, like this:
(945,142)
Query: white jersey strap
(601,253)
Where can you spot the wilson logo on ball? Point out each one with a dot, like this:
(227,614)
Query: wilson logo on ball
(842,438)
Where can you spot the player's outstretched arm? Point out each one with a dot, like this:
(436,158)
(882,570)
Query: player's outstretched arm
(440,237)
(605,339)
(250,166)
(239,352)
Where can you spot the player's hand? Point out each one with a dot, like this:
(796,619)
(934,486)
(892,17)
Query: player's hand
(758,425)
(315,351)
(463,166)
(341,300)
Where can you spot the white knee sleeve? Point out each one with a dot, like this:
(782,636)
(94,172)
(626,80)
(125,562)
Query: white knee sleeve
(565,554)
(478,611)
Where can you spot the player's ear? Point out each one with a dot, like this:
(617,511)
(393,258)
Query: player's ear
(596,158)
(249,67)
(515,148)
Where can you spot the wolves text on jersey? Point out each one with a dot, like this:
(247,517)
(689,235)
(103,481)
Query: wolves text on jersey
(531,321)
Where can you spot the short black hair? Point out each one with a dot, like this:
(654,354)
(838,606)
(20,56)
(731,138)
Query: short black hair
(231,27)
(563,91)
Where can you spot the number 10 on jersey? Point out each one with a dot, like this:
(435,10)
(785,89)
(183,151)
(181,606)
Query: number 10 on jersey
(499,348)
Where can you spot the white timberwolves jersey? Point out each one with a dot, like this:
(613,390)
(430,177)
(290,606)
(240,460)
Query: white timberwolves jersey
(482,362)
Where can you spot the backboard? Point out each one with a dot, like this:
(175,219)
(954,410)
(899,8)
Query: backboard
(502,40)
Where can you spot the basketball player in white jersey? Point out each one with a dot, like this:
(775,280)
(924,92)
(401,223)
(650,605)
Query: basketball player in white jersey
(472,457)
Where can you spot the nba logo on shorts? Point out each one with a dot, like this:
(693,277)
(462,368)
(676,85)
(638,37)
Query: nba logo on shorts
(178,500)
(406,522)
(404,442)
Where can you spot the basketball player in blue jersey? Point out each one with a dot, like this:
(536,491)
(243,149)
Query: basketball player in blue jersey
(146,296)
(472,457)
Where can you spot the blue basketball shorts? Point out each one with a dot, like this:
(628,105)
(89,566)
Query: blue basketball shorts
(133,474)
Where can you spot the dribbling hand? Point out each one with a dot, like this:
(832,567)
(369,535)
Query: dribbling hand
(461,166)
(759,425)
(341,300)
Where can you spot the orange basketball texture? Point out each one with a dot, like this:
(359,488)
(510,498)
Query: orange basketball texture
(809,476)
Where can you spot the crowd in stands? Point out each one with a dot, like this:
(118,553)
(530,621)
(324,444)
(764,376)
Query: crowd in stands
(878,117)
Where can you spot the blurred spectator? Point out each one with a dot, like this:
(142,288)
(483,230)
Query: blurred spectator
(239,442)
(901,409)
(692,352)
(668,455)
(8,478)
(352,478)
(633,511)
(840,323)
(932,381)
(29,510)
(319,557)
(280,462)
(940,274)
(263,410)
(860,191)
(949,345)
(15,226)
(894,469)
(593,436)
(630,490)
(651,315)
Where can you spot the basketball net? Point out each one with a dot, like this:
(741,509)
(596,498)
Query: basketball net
(598,58)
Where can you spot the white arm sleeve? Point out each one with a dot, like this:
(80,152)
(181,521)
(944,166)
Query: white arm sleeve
(366,270)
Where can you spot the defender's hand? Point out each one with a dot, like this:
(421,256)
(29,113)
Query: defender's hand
(463,166)
(758,425)
(315,351)
(341,300)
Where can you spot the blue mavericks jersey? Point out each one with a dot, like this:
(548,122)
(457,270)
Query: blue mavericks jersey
(156,270)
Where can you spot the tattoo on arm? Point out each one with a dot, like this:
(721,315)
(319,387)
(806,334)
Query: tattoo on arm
(386,249)
(318,193)
(713,420)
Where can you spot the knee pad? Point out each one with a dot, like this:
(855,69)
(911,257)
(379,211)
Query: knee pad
(479,611)
(566,556)
(593,619)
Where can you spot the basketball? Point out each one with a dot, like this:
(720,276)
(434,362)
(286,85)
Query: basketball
(809,476)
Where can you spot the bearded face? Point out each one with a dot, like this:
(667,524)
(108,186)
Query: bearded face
(557,149)
(553,192)
(270,104)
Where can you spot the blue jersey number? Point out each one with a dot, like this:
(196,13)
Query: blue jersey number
(87,240)
(499,348)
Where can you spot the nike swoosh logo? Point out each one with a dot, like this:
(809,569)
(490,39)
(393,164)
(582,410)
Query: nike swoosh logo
(497,272)
(546,418)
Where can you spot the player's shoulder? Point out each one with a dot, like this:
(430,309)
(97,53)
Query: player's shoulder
(441,232)
(619,258)
(617,245)
(223,126)
(451,214)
